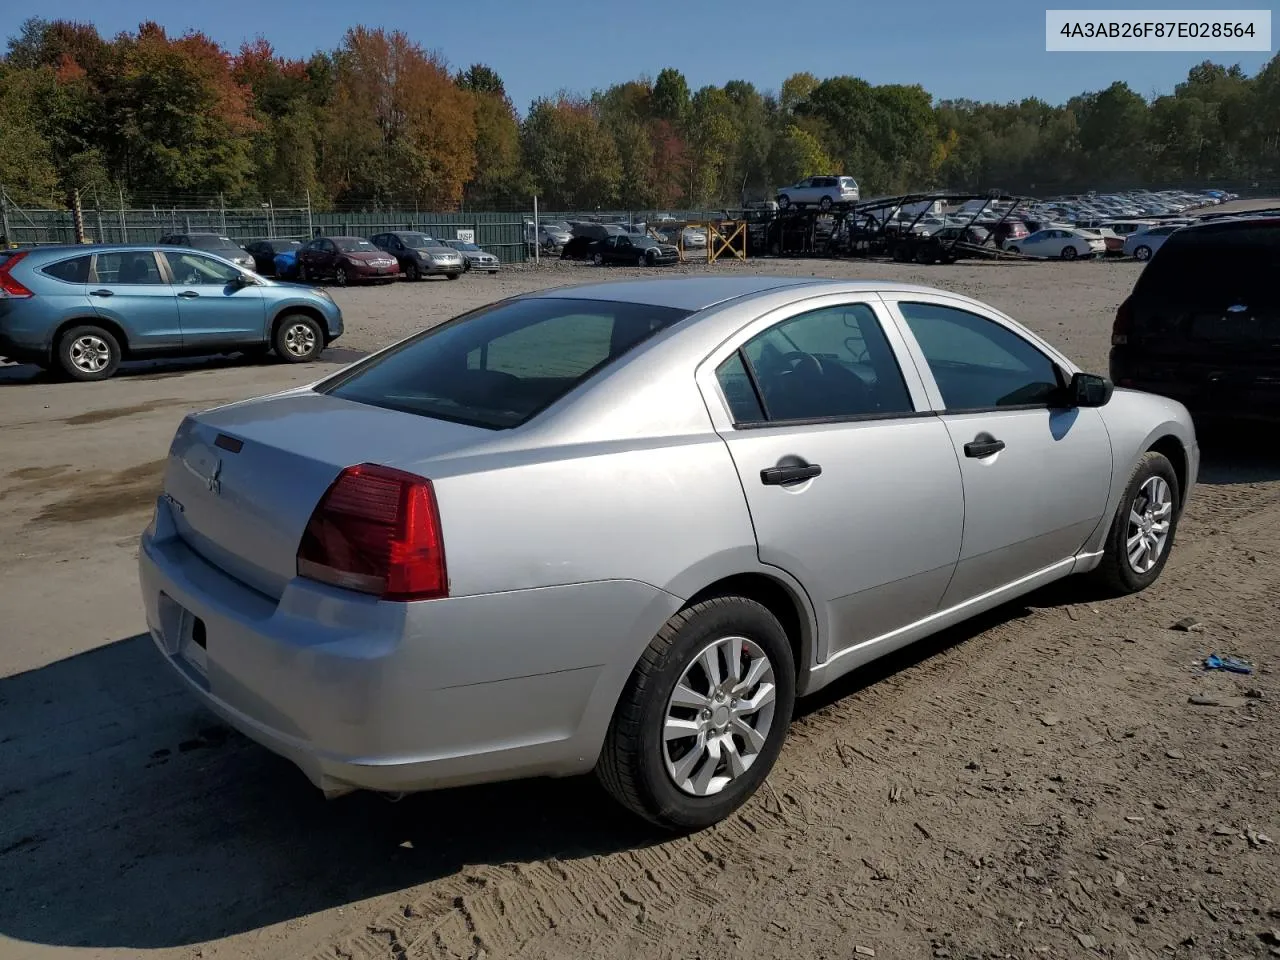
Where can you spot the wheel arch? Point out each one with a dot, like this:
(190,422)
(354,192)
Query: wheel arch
(306,310)
(90,320)
(784,600)
(1175,452)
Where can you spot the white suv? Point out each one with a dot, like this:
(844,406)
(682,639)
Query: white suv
(822,191)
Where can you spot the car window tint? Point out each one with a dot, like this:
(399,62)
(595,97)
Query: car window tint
(736,385)
(499,366)
(978,363)
(1232,265)
(75,270)
(193,270)
(833,362)
(130,266)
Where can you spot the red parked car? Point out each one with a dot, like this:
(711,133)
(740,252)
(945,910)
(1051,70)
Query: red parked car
(345,260)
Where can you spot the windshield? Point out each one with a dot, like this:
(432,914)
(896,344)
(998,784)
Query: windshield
(354,245)
(417,241)
(502,364)
(463,245)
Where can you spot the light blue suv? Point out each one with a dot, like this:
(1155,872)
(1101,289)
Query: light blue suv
(83,309)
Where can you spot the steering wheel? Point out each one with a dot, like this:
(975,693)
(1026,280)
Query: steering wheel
(798,360)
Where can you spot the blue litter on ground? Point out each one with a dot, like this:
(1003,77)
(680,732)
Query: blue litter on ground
(1233,664)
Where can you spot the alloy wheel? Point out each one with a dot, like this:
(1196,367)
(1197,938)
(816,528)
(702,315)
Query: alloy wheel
(719,716)
(300,340)
(90,353)
(1149,523)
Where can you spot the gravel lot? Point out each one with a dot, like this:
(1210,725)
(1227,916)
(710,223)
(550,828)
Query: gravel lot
(1035,784)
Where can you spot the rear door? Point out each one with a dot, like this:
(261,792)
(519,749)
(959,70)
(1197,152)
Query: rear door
(129,288)
(214,309)
(1036,477)
(852,483)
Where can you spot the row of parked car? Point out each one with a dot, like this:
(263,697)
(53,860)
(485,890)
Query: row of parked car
(384,257)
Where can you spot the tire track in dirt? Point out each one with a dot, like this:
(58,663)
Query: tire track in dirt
(874,800)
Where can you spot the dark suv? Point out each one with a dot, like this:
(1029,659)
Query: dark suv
(216,244)
(1202,324)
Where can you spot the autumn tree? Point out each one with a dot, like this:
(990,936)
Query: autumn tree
(397,125)
(180,122)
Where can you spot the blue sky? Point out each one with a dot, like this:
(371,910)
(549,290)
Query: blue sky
(984,50)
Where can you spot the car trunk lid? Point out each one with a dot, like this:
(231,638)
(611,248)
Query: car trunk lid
(243,480)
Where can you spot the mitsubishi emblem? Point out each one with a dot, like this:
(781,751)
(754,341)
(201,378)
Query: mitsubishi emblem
(215,479)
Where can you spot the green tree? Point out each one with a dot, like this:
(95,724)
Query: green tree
(26,157)
(571,159)
(671,101)
(499,179)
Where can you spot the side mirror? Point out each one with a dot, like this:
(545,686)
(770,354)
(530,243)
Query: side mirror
(244,280)
(1089,390)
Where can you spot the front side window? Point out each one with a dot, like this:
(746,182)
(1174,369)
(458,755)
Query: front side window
(977,363)
(131,266)
(193,270)
(500,366)
(829,363)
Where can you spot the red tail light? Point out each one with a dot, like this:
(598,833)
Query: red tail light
(1123,324)
(11,289)
(377,531)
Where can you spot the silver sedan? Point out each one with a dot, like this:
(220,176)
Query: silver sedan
(621,527)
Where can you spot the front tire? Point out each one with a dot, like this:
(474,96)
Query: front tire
(298,338)
(343,278)
(598,260)
(301,271)
(88,353)
(703,716)
(411,272)
(1069,253)
(1142,531)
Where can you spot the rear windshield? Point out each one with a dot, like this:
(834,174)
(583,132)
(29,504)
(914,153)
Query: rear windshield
(1240,263)
(501,365)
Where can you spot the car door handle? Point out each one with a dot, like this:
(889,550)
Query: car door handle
(789,473)
(188,294)
(983,445)
(100,293)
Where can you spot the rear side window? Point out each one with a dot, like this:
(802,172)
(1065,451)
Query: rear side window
(500,366)
(1239,264)
(75,270)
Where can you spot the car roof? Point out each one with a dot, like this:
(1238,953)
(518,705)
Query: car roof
(701,293)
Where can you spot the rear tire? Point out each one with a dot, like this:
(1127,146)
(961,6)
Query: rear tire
(1142,253)
(88,353)
(1117,573)
(298,338)
(639,766)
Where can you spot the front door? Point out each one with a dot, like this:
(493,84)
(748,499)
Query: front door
(1036,476)
(850,489)
(128,288)
(214,309)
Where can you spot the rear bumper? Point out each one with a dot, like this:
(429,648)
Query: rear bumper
(1207,390)
(361,694)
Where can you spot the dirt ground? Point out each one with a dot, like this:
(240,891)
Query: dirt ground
(1033,784)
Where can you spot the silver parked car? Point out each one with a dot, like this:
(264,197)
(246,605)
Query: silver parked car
(623,526)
